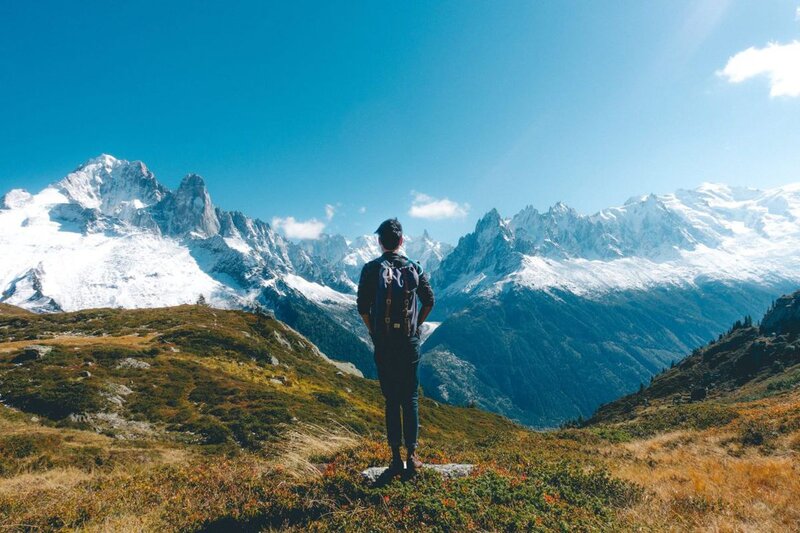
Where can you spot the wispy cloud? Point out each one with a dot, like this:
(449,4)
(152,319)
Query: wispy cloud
(424,206)
(362,209)
(779,62)
(330,210)
(298,229)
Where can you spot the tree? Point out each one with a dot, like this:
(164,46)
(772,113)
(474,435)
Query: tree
(201,300)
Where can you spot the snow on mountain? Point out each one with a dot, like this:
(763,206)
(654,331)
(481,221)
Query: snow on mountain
(712,232)
(351,256)
(427,251)
(109,234)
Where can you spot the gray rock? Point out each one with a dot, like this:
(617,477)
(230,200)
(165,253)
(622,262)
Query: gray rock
(131,362)
(32,352)
(85,374)
(274,360)
(448,471)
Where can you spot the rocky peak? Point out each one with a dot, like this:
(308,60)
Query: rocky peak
(188,211)
(112,186)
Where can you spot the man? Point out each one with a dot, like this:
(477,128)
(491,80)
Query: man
(390,292)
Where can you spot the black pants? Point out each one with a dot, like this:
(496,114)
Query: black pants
(397,359)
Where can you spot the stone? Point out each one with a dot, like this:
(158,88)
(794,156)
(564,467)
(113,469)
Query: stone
(85,374)
(131,362)
(32,352)
(447,471)
(698,394)
(274,360)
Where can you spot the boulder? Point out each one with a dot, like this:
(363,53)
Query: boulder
(447,471)
(131,362)
(32,352)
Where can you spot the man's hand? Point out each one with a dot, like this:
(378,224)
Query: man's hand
(423,314)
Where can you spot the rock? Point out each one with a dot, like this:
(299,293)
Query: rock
(699,394)
(274,360)
(448,471)
(85,374)
(131,362)
(32,352)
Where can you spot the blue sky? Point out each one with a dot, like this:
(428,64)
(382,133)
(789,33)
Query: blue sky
(442,110)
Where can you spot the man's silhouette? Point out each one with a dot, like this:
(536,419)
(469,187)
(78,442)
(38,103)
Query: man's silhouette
(390,292)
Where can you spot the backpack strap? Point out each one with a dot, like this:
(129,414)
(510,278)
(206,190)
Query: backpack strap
(387,319)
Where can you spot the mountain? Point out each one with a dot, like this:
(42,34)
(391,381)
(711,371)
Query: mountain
(110,235)
(542,316)
(350,256)
(547,315)
(749,361)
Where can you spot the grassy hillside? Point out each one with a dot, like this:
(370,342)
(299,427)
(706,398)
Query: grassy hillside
(195,418)
(717,437)
(237,423)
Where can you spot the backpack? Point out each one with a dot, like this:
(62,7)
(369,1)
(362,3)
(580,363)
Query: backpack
(396,309)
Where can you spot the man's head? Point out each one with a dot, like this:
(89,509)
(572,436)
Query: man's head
(390,234)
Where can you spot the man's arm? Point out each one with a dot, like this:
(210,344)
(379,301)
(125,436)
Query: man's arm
(425,293)
(365,296)
(367,322)
(423,314)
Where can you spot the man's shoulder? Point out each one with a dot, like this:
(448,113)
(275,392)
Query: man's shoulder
(371,265)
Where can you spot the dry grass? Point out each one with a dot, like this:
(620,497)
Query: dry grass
(707,481)
(170,490)
(81,340)
(304,447)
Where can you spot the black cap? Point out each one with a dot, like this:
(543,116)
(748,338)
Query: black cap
(389,233)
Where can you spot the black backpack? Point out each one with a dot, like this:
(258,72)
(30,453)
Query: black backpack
(396,309)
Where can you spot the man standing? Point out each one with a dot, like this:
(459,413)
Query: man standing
(390,292)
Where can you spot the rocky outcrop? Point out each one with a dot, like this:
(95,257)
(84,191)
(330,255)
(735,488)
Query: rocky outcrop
(447,471)
(32,352)
(784,316)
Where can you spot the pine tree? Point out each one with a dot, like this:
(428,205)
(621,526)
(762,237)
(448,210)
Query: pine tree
(201,300)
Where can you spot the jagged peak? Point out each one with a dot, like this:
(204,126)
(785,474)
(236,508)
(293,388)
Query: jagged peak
(560,208)
(492,217)
(192,181)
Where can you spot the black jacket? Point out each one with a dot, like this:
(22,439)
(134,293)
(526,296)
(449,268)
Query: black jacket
(368,282)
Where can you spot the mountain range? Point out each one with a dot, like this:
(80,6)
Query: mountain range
(110,235)
(551,313)
(541,317)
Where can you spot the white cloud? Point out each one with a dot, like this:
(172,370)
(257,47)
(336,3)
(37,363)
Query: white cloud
(424,206)
(297,229)
(779,62)
(330,210)
(362,209)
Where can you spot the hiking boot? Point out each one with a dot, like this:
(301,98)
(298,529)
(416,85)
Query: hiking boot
(396,466)
(413,464)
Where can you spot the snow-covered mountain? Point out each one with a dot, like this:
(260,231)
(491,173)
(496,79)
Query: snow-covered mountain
(546,315)
(109,234)
(712,232)
(350,256)
(541,316)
